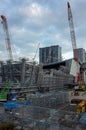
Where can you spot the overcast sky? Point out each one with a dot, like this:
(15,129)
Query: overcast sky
(31,22)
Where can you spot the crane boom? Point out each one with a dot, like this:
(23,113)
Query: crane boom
(72,32)
(8,44)
(73,39)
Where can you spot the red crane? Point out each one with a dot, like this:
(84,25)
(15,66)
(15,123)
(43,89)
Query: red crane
(8,44)
(72,32)
(73,39)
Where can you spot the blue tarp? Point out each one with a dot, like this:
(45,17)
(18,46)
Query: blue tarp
(14,104)
(82,119)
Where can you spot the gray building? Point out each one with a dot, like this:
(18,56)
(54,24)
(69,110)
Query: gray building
(81,55)
(50,54)
(85,56)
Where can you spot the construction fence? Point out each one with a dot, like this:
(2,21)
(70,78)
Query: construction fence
(50,111)
(50,100)
(41,118)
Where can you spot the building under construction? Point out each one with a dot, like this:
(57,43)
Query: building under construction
(48,87)
(29,77)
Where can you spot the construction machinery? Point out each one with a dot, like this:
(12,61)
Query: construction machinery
(81,107)
(5,92)
(75,51)
(8,44)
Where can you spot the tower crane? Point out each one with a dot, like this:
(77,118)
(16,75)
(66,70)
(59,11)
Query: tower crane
(8,44)
(73,39)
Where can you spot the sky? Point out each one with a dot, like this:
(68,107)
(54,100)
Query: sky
(33,24)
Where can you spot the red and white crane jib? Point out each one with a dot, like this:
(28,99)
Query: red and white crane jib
(8,44)
(73,39)
(72,32)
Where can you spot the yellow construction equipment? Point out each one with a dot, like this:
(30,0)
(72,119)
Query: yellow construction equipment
(81,107)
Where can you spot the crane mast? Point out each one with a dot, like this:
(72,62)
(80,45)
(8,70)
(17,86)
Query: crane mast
(8,44)
(73,39)
(72,32)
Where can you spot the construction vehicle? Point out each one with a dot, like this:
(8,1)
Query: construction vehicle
(81,107)
(8,44)
(75,51)
(5,92)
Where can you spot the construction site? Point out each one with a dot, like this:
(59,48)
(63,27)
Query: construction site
(43,96)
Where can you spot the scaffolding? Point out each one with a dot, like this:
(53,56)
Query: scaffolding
(22,74)
(54,80)
(29,77)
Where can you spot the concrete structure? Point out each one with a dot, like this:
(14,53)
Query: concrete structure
(57,75)
(54,80)
(85,56)
(50,54)
(28,77)
(75,68)
(22,75)
(81,55)
(68,66)
(83,71)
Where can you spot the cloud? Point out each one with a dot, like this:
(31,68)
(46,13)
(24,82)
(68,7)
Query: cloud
(39,21)
(67,55)
(33,10)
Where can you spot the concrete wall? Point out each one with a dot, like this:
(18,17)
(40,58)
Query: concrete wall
(75,68)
